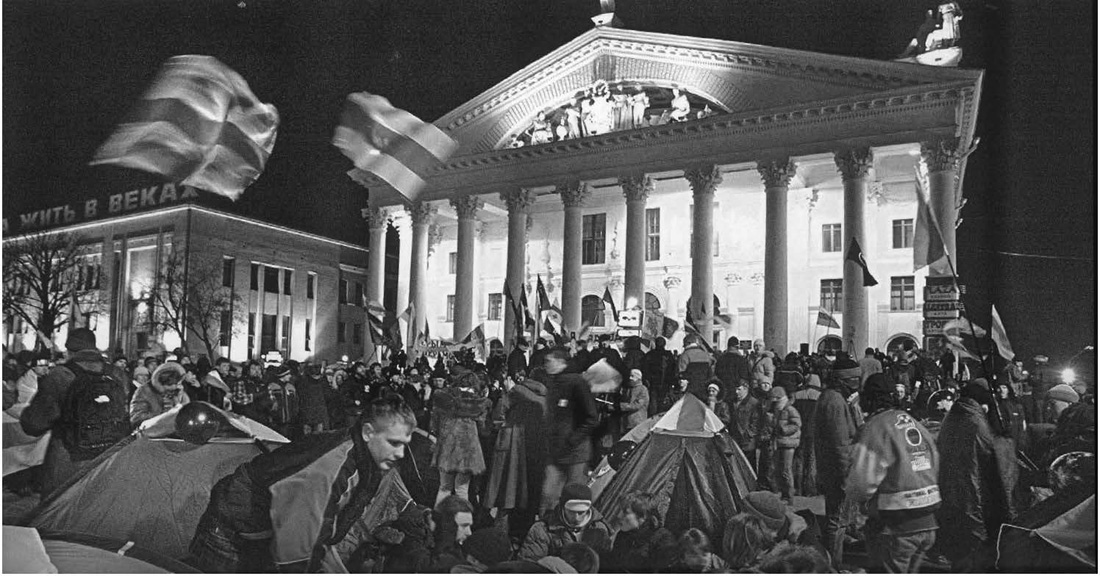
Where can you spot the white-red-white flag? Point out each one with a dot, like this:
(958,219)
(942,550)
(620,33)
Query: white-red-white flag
(199,124)
(390,143)
(1000,337)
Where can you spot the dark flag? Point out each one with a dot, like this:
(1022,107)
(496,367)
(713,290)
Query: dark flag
(607,298)
(528,319)
(855,254)
(704,342)
(544,299)
(927,242)
(199,124)
(376,315)
(669,327)
(826,319)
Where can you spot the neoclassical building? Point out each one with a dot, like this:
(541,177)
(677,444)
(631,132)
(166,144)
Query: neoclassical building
(680,173)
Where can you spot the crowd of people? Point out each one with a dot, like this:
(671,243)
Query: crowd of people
(916,455)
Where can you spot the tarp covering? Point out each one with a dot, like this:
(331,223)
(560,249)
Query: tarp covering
(149,491)
(164,425)
(690,417)
(698,479)
(26,551)
(1056,535)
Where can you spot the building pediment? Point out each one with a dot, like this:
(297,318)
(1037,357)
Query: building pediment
(612,69)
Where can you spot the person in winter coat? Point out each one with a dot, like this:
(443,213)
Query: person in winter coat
(714,401)
(789,374)
(164,392)
(401,546)
(249,394)
(285,406)
(571,419)
(633,402)
(659,372)
(976,480)
(787,430)
(1012,415)
(519,458)
(459,418)
(484,548)
(805,463)
(895,465)
(517,358)
(732,367)
(763,363)
(311,392)
(747,420)
(695,555)
(82,427)
(633,356)
(642,544)
(835,426)
(574,519)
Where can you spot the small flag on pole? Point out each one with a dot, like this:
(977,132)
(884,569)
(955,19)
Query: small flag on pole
(611,301)
(476,339)
(669,327)
(855,254)
(376,315)
(200,124)
(544,299)
(528,319)
(1000,337)
(826,319)
(390,143)
(927,242)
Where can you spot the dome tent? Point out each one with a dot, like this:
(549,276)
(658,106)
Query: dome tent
(151,488)
(698,475)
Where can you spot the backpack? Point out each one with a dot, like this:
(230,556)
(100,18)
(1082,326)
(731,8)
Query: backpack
(95,413)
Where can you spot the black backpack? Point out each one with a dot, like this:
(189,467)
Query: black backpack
(95,413)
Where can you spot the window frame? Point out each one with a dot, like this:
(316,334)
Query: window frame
(836,296)
(594,239)
(495,310)
(653,234)
(904,227)
(903,293)
(832,238)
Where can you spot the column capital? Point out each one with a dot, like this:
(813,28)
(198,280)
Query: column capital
(466,207)
(854,162)
(421,213)
(942,154)
(776,173)
(703,179)
(518,200)
(376,217)
(573,194)
(637,187)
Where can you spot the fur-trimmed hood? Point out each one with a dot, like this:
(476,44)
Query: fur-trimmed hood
(176,367)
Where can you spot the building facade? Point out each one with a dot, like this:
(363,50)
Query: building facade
(264,287)
(689,176)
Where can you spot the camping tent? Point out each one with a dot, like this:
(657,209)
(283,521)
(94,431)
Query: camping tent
(27,551)
(1056,535)
(698,475)
(151,488)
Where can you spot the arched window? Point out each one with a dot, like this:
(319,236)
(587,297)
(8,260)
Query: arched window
(652,304)
(830,344)
(592,311)
(900,342)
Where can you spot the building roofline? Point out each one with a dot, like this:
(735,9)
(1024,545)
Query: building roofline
(197,208)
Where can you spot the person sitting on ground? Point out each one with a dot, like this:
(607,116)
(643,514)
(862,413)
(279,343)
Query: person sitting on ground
(484,548)
(163,393)
(454,521)
(642,543)
(582,557)
(258,519)
(402,545)
(575,519)
(746,541)
(696,556)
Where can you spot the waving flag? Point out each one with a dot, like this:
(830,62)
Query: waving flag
(376,315)
(528,319)
(1000,337)
(611,301)
(544,299)
(200,124)
(927,242)
(826,319)
(390,143)
(855,254)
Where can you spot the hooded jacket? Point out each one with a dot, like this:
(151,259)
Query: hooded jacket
(148,401)
(763,367)
(835,428)
(548,537)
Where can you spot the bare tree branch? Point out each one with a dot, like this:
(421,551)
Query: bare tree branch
(204,298)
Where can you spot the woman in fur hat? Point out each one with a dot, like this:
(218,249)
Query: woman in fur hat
(458,418)
(164,392)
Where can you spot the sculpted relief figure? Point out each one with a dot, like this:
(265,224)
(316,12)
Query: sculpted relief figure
(680,106)
(638,104)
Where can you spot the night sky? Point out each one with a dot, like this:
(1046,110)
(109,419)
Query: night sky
(73,68)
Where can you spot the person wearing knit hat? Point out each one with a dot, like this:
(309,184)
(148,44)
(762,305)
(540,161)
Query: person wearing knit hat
(766,506)
(575,519)
(84,402)
(484,548)
(836,422)
(787,432)
(141,376)
(1059,398)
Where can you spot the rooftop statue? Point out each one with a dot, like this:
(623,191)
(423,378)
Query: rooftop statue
(937,40)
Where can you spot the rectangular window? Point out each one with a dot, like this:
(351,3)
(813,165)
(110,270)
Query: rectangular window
(831,240)
(229,270)
(341,337)
(254,277)
(359,301)
(225,327)
(903,294)
(343,296)
(309,334)
(357,334)
(271,280)
(251,331)
(311,280)
(594,230)
(691,227)
(496,301)
(452,263)
(653,234)
(831,292)
(451,308)
(903,233)
(284,342)
(288,281)
(267,333)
